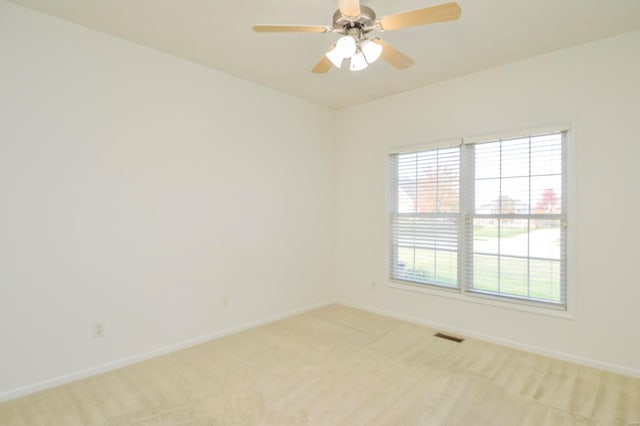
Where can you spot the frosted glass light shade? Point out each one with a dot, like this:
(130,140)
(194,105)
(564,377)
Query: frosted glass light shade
(346,46)
(371,50)
(358,62)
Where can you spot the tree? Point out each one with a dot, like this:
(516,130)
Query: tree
(438,190)
(548,203)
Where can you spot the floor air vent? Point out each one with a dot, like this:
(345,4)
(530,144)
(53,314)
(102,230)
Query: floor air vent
(446,336)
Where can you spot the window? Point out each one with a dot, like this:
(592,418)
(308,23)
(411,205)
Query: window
(486,217)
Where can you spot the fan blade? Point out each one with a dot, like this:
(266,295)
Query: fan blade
(290,28)
(393,56)
(349,8)
(324,65)
(428,15)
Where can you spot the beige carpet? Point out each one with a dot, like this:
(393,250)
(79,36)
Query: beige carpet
(338,366)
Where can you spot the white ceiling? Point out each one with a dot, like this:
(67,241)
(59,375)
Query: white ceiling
(218,34)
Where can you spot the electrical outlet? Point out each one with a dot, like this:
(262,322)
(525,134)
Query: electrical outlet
(225,301)
(98,330)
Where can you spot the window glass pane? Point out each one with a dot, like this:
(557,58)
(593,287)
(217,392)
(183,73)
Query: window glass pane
(545,280)
(447,268)
(406,261)
(417,264)
(485,273)
(546,194)
(514,278)
(487,196)
(514,237)
(485,236)
(425,265)
(514,197)
(545,240)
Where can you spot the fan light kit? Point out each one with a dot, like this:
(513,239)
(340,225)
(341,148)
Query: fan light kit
(361,52)
(355,22)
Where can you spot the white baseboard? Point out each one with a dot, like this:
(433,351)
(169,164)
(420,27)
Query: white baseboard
(123,362)
(601,365)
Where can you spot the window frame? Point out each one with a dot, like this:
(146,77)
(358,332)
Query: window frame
(461,292)
(442,215)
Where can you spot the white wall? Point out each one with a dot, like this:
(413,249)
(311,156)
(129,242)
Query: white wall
(138,189)
(595,86)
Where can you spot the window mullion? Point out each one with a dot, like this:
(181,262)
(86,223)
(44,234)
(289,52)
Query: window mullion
(465,229)
(529,225)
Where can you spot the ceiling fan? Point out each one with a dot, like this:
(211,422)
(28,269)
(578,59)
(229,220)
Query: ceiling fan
(355,22)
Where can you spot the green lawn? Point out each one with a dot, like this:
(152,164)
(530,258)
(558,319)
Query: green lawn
(486,232)
(544,282)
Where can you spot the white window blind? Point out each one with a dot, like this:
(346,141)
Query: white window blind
(425,188)
(485,218)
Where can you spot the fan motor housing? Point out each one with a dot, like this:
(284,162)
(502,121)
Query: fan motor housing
(365,20)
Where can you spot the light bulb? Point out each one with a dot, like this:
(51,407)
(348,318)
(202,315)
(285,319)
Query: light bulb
(371,50)
(358,62)
(346,45)
(335,56)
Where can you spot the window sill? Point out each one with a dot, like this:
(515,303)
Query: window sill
(484,300)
